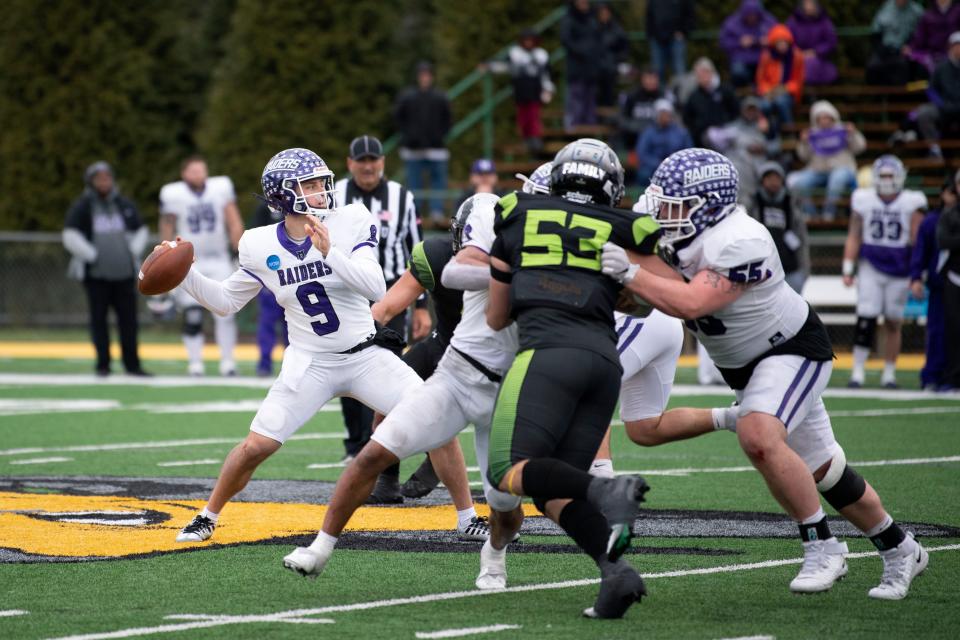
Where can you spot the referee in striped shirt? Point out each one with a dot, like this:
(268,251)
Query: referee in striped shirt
(393,204)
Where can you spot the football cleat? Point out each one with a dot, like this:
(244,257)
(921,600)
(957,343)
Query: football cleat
(421,482)
(618,499)
(824,562)
(890,384)
(195,369)
(900,567)
(854,384)
(620,587)
(493,568)
(477,530)
(305,562)
(199,529)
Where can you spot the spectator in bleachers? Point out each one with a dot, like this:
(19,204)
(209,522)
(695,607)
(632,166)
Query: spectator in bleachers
(928,46)
(828,147)
(751,122)
(924,261)
(423,116)
(636,107)
(948,239)
(659,140)
(613,50)
(711,104)
(780,77)
(815,36)
(483,179)
(529,67)
(580,37)
(742,37)
(944,110)
(772,205)
(105,235)
(748,154)
(669,23)
(893,26)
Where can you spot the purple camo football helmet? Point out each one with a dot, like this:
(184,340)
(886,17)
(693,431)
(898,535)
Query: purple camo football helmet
(284,178)
(691,191)
(539,180)
(889,174)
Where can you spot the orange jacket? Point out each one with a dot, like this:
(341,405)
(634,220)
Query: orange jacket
(770,69)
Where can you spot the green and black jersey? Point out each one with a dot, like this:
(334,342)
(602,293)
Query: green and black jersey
(558,294)
(427,261)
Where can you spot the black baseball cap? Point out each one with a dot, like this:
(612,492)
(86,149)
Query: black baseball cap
(365,147)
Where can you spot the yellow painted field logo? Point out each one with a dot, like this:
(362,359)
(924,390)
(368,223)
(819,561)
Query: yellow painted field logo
(111,526)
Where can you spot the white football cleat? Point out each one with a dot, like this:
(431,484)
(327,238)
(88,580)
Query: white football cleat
(307,563)
(196,369)
(199,529)
(900,567)
(824,562)
(493,568)
(476,530)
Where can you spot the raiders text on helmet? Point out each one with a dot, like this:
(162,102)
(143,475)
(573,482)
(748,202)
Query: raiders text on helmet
(284,181)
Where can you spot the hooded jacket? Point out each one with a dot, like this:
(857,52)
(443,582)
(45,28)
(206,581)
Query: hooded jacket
(667,17)
(735,27)
(894,25)
(776,69)
(580,36)
(78,229)
(829,149)
(929,41)
(818,34)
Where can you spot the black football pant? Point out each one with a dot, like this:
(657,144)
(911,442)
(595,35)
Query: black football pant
(119,294)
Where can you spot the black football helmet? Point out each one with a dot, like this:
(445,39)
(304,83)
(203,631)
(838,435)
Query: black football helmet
(460,224)
(587,170)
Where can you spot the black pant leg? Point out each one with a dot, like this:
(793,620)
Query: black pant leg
(951,334)
(125,306)
(98,298)
(358,419)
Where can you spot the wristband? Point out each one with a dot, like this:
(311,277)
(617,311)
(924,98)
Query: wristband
(848,267)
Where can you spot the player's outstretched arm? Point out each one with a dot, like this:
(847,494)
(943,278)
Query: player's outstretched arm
(222,298)
(398,298)
(468,271)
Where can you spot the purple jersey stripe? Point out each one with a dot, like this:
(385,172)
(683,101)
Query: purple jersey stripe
(806,390)
(633,334)
(792,387)
(299,251)
(623,327)
(254,276)
(364,244)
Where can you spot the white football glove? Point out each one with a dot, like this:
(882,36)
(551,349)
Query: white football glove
(616,264)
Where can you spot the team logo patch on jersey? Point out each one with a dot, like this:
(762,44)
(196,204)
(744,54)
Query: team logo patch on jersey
(273,262)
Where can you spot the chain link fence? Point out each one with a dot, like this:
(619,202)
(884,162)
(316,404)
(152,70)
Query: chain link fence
(36,293)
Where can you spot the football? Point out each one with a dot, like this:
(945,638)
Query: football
(165,268)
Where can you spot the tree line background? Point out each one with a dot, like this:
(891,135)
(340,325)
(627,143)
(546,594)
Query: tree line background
(145,84)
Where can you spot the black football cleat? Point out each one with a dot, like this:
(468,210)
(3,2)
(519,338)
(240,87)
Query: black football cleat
(620,587)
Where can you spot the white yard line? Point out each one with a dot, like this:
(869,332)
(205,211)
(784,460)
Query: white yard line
(871,394)
(81,380)
(752,638)
(683,471)
(326,465)
(158,444)
(467,631)
(41,460)
(201,621)
(30,406)
(909,411)
(9,613)
(188,463)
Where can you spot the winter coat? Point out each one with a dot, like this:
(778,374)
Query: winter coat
(613,47)
(829,149)
(735,27)
(656,143)
(948,238)
(896,25)
(637,113)
(775,70)
(925,256)
(530,73)
(709,108)
(818,34)
(78,230)
(945,84)
(580,36)
(929,41)
(667,17)
(423,118)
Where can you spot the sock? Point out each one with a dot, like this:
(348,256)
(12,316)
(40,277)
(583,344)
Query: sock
(393,471)
(889,372)
(323,544)
(859,362)
(464,517)
(546,478)
(194,346)
(206,513)
(588,528)
(602,468)
(725,418)
(887,535)
(225,333)
(815,527)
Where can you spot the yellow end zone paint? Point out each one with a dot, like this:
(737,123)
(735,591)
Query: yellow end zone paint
(241,522)
(250,353)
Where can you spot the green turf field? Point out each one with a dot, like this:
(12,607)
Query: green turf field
(716,555)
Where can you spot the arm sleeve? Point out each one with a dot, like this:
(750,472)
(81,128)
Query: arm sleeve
(360,271)
(78,245)
(919,257)
(467,277)
(222,298)
(479,231)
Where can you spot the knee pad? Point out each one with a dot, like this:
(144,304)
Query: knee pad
(500,501)
(863,334)
(192,321)
(841,486)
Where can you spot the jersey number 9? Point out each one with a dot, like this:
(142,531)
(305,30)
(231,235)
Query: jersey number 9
(315,302)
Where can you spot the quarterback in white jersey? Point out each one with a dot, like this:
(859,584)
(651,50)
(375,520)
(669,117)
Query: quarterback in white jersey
(884,220)
(203,210)
(461,391)
(775,353)
(323,270)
